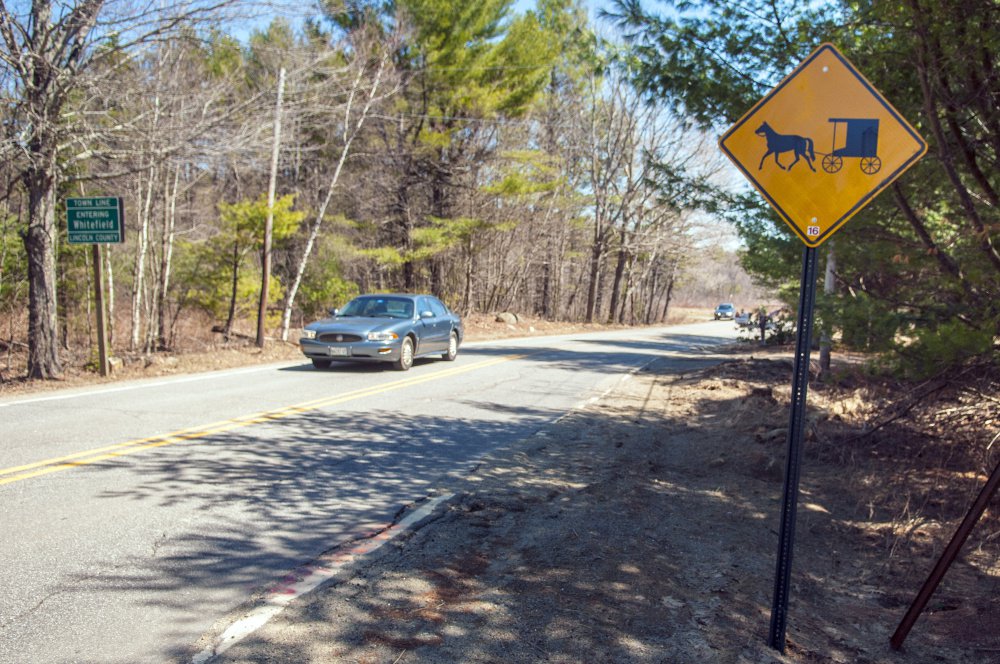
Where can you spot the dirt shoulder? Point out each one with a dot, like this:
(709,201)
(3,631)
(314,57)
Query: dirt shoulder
(643,529)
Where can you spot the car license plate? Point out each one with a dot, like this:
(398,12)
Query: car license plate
(338,350)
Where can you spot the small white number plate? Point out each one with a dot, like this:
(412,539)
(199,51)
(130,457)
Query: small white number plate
(337,350)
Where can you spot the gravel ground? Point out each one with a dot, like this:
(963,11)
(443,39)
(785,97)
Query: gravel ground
(642,529)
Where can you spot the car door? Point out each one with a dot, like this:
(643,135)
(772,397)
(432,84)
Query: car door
(435,326)
(426,328)
(442,322)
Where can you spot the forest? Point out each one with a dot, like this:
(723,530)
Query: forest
(558,161)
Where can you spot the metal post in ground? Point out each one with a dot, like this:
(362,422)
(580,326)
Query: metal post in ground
(796,433)
(947,558)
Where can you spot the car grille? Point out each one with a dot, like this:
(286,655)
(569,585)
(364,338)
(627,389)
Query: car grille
(333,338)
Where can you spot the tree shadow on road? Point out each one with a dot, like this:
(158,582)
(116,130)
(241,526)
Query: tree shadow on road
(639,530)
(643,530)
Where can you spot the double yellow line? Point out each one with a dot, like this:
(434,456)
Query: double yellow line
(87,457)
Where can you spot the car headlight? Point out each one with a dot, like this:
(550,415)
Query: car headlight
(382,336)
(308,334)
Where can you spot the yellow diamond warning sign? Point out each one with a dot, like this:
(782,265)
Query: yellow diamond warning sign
(822,144)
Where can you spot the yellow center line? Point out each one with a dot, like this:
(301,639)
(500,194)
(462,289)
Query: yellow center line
(87,457)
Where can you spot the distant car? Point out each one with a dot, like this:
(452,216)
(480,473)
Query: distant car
(393,328)
(725,310)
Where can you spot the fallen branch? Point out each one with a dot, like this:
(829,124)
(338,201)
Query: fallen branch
(904,410)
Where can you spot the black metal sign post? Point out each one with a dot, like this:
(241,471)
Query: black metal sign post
(796,432)
(882,141)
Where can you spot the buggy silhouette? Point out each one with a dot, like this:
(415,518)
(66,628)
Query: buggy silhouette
(862,142)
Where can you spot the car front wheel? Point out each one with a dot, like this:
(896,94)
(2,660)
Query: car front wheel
(405,360)
(452,347)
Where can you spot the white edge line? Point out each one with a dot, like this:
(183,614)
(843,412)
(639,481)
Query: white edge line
(307,578)
(142,383)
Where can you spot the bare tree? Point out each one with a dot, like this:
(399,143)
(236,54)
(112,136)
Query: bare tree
(613,119)
(364,89)
(54,51)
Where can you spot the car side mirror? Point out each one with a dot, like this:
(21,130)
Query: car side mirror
(335,312)
(427,314)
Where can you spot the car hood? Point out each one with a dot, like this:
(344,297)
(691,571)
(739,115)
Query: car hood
(355,325)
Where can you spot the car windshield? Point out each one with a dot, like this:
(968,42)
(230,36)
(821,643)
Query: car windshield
(379,307)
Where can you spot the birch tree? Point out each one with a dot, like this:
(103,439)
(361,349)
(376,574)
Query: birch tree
(365,88)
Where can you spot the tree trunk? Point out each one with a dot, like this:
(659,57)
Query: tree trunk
(652,285)
(544,308)
(628,294)
(469,271)
(166,259)
(269,222)
(826,342)
(556,311)
(440,208)
(669,292)
(106,258)
(227,329)
(62,296)
(139,271)
(616,287)
(593,282)
(39,243)
(405,225)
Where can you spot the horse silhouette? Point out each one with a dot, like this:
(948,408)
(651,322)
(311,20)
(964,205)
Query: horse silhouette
(778,143)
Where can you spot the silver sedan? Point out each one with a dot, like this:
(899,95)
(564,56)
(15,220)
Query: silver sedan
(393,328)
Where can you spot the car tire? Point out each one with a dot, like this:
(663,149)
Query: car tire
(452,352)
(405,360)
(321,364)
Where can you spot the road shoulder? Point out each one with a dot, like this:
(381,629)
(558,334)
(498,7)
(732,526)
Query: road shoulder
(639,529)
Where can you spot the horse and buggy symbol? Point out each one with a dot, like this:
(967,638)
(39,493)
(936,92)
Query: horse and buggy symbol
(861,142)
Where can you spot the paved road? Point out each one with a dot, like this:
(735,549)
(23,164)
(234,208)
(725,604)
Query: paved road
(137,517)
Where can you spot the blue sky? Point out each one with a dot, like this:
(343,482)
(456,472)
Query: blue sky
(592,5)
(297,10)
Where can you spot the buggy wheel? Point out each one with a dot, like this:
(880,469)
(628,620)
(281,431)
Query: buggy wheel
(832,163)
(870,165)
